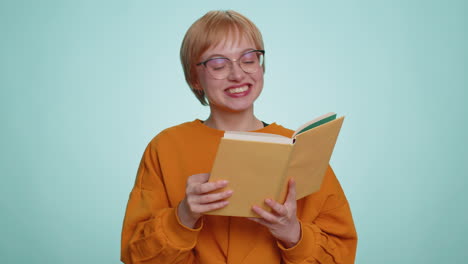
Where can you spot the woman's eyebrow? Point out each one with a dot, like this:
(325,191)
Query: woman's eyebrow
(216,56)
(247,50)
(224,56)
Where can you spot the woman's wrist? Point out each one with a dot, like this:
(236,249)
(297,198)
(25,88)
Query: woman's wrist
(185,217)
(293,238)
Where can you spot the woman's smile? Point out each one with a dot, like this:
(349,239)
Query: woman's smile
(238,90)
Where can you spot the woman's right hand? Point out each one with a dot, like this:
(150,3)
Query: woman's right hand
(199,200)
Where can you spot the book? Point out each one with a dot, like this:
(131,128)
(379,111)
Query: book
(259,165)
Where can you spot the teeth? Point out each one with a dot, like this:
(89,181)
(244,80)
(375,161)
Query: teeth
(238,90)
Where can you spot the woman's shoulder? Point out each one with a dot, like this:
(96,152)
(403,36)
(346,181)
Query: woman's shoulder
(176,131)
(185,133)
(278,129)
(186,127)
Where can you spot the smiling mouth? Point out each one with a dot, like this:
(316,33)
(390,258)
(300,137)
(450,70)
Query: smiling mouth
(238,89)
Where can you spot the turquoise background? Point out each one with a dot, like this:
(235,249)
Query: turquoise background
(85,85)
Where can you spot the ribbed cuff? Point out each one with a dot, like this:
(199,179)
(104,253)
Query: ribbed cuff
(178,234)
(302,249)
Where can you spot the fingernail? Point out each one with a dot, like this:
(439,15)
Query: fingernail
(268,200)
(224,182)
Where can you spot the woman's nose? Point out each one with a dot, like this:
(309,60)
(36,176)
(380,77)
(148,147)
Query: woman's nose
(236,73)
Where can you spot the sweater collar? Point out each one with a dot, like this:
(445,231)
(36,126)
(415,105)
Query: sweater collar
(199,124)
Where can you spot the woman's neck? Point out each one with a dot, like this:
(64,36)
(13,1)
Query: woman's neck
(238,121)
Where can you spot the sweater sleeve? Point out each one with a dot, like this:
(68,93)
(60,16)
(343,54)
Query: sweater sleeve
(151,229)
(331,236)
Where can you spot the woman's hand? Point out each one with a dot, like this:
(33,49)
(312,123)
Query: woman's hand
(282,221)
(198,198)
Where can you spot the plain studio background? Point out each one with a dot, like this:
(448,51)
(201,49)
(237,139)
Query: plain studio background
(85,85)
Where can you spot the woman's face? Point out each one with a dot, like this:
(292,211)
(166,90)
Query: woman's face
(238,91)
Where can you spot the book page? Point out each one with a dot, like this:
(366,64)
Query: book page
(311,155)
(259,137)
(315,122)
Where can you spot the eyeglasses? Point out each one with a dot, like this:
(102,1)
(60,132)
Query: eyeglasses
(220,67)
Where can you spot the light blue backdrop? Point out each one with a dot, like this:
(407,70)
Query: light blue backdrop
(85,85)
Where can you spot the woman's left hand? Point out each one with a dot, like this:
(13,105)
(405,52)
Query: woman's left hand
(282,220)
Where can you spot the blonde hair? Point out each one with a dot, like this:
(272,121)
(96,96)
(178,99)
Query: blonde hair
(208,31)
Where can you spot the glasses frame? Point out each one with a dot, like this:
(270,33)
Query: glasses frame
(232,62)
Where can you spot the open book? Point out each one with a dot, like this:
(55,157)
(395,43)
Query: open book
(259,165)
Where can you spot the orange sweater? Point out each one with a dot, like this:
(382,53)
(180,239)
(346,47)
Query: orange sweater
(152,232)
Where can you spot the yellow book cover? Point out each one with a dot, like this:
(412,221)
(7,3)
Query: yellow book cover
(258,165)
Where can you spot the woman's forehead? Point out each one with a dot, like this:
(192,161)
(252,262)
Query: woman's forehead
(232,44)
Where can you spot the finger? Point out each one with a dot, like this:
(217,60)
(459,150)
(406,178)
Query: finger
(209,186)
(198,178)
(277,208)
(259,220)
(213,197)
(291,197)
(268,217)
(211,206)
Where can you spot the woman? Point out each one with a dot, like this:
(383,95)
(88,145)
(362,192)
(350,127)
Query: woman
(222,56)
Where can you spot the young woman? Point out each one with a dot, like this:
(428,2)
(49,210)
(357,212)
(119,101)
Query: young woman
(222,57)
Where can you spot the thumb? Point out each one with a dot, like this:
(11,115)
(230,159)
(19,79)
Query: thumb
(200,178)
(291,198)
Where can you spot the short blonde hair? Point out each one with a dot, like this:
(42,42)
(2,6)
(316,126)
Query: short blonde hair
(208,31)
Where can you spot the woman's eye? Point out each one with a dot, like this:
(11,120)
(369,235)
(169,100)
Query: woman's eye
(217,64)
(249,58)
(218,68)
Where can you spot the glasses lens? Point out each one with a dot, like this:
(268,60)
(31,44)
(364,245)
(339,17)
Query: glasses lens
(218,67)
(251,61)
